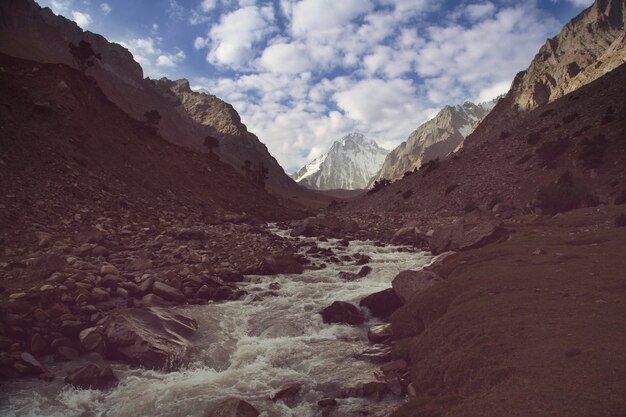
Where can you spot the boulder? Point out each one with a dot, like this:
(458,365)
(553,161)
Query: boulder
(287,391)
(280,264)
(364,271)
(46,265)
(232,407)
(154,337)
(380,333)
(465,234)
(410,236)
(381,304)
(168,293)
(342,312)
(92,377)
(407,283)
(92,339)
(107,269)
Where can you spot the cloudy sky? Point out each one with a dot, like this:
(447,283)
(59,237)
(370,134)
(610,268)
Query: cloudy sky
(302,73)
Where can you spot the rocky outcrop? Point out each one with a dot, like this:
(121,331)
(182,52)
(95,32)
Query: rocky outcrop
(153,338)
(589,46)
(348,165)
(434,139)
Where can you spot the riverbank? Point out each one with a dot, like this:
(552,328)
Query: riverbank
(530,326)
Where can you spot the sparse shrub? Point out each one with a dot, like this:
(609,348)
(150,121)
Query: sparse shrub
(451,188)
(408,173)
(153,117)
(429,166)
(533,138)
(621,199)
(582,130)
(379,185)
(407,194)
(547,113)
(505,134)
(570,117)
(550,151)
(523,159)
(83,55)
(211,143)
(620,220)
(592,152)
(563,195)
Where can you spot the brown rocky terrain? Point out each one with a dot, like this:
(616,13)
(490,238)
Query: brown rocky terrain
(98,212)
(502,167)
(31,32)
(530,326)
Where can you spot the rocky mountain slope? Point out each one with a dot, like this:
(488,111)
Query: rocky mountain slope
(31,32)
(435,138)
(349,164)
(588,47)
(66,145)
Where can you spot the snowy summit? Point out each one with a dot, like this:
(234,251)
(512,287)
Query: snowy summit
(348,165)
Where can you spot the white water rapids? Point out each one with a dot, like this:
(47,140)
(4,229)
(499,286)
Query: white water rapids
(247,349)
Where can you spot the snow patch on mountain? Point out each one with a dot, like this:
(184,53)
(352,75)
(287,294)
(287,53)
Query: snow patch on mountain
(349,164)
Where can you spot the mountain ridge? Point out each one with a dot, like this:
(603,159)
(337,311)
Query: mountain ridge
(433,139)
(348,165)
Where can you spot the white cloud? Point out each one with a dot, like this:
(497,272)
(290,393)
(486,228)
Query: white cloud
(82,19)
(170,60)
(493,91)
(105,8)
(234,38)
(155,62)
(286,58)
(382,67)
(60,6)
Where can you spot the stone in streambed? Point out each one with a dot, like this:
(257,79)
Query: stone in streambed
(342,312)
(232,407)
(92,377)
(154,338)
(382,303)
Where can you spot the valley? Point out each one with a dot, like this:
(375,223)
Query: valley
(156,258)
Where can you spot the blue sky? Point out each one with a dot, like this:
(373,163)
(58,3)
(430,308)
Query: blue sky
(302,73)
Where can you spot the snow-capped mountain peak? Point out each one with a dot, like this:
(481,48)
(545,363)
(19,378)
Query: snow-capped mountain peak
(349,164)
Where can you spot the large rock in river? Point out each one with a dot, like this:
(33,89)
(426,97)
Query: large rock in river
(381,304)
(154,337)
(342,312)
(407,283)
(233,407)
(92,377)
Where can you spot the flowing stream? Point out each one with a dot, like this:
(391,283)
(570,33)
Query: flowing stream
(247,349)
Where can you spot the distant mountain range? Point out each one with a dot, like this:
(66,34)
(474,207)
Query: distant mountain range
(435,138)
(348,165)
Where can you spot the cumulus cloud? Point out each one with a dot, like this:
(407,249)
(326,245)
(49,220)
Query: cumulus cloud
(82,19)
(234,38)
(286,58)
(154,61)
(580,3)
(307,72)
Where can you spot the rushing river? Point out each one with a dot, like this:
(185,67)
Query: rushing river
(247,349)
